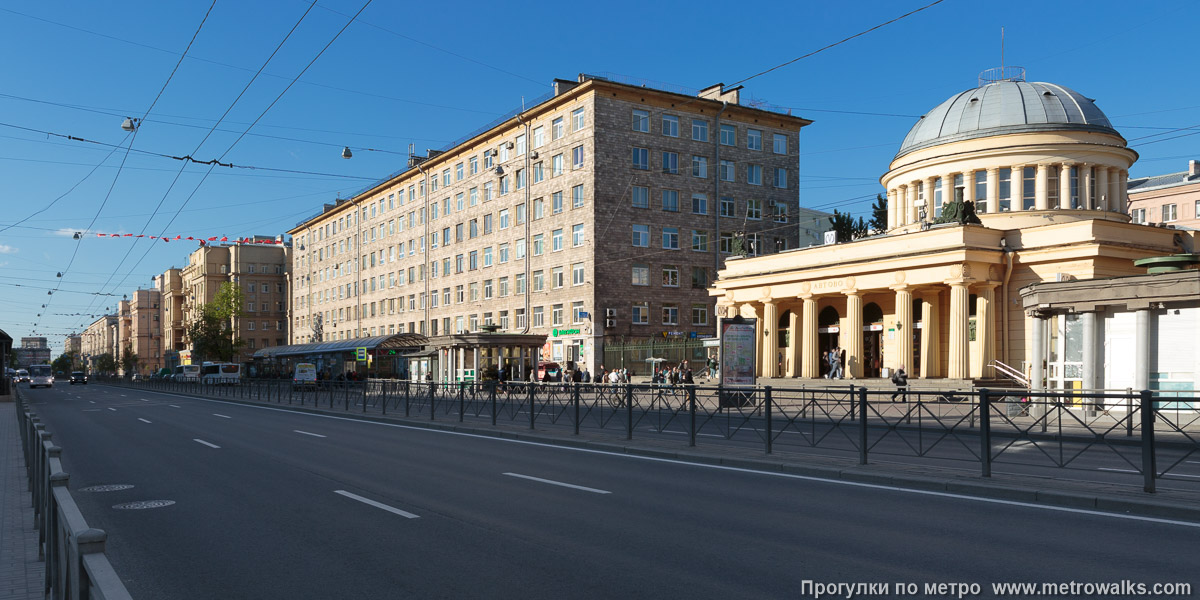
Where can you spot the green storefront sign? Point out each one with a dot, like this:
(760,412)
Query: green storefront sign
(562,332)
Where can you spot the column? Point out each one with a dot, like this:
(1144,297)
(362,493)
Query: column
(1041,193)
(956,363)
(902,209)
(853,338)
(1101,188)
(929,185)
(1037,373)
(793,351)
(1016,187)
(1088,321)
(904,329)
(1141,349)
(893,198)
(1064,186)
(1114,190)
(770,339)
(993,189)
(911,207)
(947,193)
(758,342)
(931,335)
(1122,204)
(969,185)
(1085,187)
(809,368)
(985,330)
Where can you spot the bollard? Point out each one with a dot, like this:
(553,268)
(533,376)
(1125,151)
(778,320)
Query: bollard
(862,426)
(767,406)
(1149,466)
(985,432)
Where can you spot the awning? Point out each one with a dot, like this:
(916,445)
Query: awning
(382,342)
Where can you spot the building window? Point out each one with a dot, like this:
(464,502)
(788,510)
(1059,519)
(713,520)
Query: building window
(556,277)
(556,315)
(577,196)
(780,145)
(781,178)
(981,199)
(556,240)
(556,203)
(539,209)
(641,121)
(670,314)
(539,318)
(699,204)
(754,139)
(728,207)
(728,135)
(577,274)
(556,128)
(556,165)
(699,240)
(670,125)
(781,215)
(641,274)
(577,157)
(577,235)
(670,163)
(504,219)
(539,244)
(503,253)
(699,278)
(754,209)
(670,276)
(699,166)
(539,280)
(670,200)
(754,174)
(670,238)
(641,313)
(726,170)
(641,236)
(1169,213)
(699,130)
(539,174)
(539,137)
(487,256)
(487,289)
(726,242)
(641,159)
(640,196)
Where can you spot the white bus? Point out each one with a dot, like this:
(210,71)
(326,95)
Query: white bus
(222,373)
(186,373)
(40,375)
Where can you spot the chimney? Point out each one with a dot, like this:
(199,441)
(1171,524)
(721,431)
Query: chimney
(1193,169)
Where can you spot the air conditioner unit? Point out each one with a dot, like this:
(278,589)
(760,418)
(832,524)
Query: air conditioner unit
(610,313)
(494,152)
(508,145)
(499,170)
(610,322)
(533,155)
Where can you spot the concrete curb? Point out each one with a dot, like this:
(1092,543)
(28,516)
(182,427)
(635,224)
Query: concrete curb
(1154,506)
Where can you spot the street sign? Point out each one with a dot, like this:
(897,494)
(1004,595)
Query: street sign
(360,354)
(583,314)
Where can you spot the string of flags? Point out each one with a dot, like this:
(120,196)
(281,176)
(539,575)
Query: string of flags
(202,240)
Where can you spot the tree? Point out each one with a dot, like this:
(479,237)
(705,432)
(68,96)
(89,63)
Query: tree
(105,363)
(210,338)
(879,215)
(846,227)
(129,361)
(64,363)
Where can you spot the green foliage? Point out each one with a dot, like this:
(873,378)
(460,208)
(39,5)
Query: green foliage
(879,215)
(211,340)
(129,361)
(105,363)
(64,363)
(846,227)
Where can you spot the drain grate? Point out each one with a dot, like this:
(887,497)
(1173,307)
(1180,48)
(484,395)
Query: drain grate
(114,487)
(143,504)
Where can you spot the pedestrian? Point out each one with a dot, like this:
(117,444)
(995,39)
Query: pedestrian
(900,378)
(841,361)
(779,365)
(687,377)
(829,364)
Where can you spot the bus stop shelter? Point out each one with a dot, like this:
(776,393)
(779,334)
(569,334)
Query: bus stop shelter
(484,355)
(383,356)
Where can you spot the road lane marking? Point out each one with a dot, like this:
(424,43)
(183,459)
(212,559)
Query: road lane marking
(222,416)
(124,396)
(307,433)
(379,505)
(144,400)
(552,482)
(92,401)
(143,420)
(205,443)
(874,486)
(112,409)
(1132,471)
(173,405)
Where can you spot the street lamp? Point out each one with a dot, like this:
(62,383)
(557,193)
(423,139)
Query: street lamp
(346,153)
(130,124)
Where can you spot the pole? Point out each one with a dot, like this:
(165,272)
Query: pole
(862,426)
(767,404)
(1149,468)
(985,432)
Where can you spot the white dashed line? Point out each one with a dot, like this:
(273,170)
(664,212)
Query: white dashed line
(307,433)
(143,420)
(173,405)
(205,443)
(1163,475)
(566,485)
(113,409)
(92,401)
(379,505)
(222,416)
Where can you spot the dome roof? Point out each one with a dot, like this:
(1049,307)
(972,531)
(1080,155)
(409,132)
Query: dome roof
(1005,107)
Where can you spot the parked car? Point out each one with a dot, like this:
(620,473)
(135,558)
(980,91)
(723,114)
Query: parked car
(305,375)
(78,377)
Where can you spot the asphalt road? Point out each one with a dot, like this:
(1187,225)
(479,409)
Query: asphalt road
(275,504)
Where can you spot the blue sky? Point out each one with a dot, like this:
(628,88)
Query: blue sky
(406,73)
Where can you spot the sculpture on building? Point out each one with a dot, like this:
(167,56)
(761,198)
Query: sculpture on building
(959,211)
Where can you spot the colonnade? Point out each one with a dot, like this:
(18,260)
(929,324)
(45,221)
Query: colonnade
(1100,187)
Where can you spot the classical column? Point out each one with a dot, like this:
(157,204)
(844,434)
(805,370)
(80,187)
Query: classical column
(853,338)
(969,185)
(1088,321)
(911,207)
(1114,192)
(770,339)
(902,208)
(956,363)
(931,335)
(1101,188)
(793,351)
(893,199)
(809,368)
(1141,349)
(985,330)
(930,182)
(1085,187)
(1016,187)
(1041,193)
(904,329)
(993,189)
(1122,204)
(759,321)
(947,193)
(1064,186)
(1037,373)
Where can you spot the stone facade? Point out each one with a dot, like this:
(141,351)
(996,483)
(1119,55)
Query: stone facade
(99,338)
(585,201)
(140,330)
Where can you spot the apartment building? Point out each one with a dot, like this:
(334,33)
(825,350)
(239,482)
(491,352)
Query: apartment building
(139,330)
(262,272)
(600,214)
(98,339)
(1171,199)
(33,351)
(174,327)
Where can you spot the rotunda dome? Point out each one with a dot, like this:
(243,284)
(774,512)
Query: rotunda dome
(1006,107)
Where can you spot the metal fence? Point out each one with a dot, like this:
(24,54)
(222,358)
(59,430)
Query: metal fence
(76,566)
(1116,431)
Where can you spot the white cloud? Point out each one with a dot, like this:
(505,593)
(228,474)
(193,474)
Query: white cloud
(6,249)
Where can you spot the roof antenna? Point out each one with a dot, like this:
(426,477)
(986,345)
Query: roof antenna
(1002,49)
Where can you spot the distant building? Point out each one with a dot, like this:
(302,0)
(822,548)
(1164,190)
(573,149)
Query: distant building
(33,351)
(140,330)
(1172,199)
(99,338)
(174,325)
(74,346)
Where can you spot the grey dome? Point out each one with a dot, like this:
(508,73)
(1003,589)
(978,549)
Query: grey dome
(1005,107)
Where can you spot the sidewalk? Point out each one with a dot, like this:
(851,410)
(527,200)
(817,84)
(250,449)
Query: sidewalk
(21,573)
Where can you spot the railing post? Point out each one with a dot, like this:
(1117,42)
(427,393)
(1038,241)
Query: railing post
(767,405)
(432,397)
(492,398)
(1149,465)
(862,426)
(366,384)
(461,406)
(692,415)
(1128,412)
(629,411)
(575,401)
(532,401)
(346,395)
(387,389)
(985,432)
(407,389)
(853,408)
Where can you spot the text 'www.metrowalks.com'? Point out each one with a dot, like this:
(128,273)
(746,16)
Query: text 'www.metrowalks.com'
(817,589)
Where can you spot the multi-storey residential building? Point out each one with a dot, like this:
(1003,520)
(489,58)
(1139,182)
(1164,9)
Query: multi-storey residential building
(262,272)
(98,339)
(1171,199)
(139,321)
(73,345)
(170,288)
(602,199)
(33,351)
